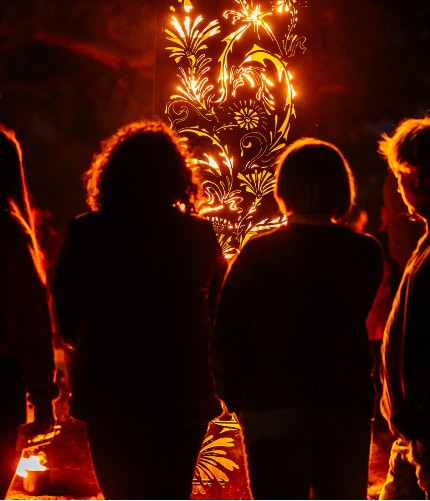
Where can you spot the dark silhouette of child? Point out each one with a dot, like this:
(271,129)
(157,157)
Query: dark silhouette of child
(290,351)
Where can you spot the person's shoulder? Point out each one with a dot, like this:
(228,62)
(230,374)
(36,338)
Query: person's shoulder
(367,239)
(85,220)
(265,236)
(84,225)
(264,241)
(194,222)
(196,219)
(367,244)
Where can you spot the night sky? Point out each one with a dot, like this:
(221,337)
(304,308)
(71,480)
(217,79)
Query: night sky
(72,72)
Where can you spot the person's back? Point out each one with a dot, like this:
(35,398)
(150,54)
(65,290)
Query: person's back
(290,352)
(143,289)
(315,284)
(134,292)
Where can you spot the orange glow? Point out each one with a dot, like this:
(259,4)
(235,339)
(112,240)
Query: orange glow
(282,6)
(32,463)
(188,5)
(235,100)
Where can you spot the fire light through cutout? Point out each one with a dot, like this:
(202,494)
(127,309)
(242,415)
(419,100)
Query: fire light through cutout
(234,103)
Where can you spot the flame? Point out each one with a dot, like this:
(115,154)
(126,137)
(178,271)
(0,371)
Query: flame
(32,463)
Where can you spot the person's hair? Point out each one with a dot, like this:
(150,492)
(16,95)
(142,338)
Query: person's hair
(408,147)
(143,164)
(313,177)
(14,194)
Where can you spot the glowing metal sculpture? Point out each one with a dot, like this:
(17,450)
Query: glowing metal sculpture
(220,470)
(234,103)
(235,106)
(215,458)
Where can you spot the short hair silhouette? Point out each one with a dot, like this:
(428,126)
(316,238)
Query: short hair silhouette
(144,163)
(313,177)
(408,147)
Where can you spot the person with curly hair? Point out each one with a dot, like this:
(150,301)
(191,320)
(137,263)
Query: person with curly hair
(134,292)
(26,342)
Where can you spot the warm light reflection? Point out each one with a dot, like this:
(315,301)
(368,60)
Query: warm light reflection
(187,5)
(282,6)
(218,455)
(32,463)
(234,100)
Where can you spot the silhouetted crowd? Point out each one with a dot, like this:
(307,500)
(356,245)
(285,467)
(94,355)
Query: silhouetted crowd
(311,332)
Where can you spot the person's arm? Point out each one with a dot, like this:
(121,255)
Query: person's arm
(65,286)
(231,333)
(417,346)
(27,321)
(219,272)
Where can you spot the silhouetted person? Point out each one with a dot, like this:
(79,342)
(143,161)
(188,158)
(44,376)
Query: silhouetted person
(403,230)
(290,351)
(405,371)
(26,352)
(134,291)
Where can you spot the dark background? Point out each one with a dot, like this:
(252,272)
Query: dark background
(72,72)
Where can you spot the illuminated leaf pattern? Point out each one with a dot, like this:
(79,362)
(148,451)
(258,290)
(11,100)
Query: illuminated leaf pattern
(234,100)
(220,456)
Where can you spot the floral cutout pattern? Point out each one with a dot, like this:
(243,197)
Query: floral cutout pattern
(234,102)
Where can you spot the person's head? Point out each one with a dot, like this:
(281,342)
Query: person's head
(407,152)
(314,178)
(144,164)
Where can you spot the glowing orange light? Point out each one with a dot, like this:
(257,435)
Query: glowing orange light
(282,6)
(32,463)
(237,105)
(188,5)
